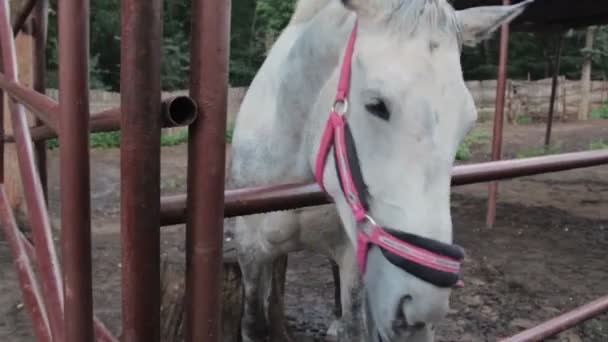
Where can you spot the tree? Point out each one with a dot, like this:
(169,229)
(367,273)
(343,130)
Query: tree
(583,109)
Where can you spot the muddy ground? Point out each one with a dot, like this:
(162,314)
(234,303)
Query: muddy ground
(545,255)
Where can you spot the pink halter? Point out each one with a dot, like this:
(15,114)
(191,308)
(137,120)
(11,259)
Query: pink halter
(422,257)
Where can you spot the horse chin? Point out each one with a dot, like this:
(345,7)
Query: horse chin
(389,320)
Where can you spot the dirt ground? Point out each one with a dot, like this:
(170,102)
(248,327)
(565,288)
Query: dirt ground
(545,255)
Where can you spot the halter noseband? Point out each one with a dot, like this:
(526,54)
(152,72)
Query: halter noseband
(431,260)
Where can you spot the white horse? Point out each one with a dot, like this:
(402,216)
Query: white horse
(407,109)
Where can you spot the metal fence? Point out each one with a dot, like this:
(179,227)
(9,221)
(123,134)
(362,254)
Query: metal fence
(60,305)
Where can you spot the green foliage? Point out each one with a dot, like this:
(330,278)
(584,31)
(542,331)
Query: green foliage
(523,120)
(539,151)
(600,113)
(463,153)
(105,140)
(256,24)
(101,140)
(531,55)
(474,138)
(600,144)
(229,135)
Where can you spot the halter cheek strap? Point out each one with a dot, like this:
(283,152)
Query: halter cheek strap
(430,260)
(334,135)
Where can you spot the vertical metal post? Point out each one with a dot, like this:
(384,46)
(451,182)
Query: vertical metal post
(556,67)
(40,15)
(206,155)
(2,133)
(48,265)
(140,168)
(75,168)
(498,117)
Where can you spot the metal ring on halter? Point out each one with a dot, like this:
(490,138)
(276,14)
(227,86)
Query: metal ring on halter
(344,106)
(371,220)
(368,229)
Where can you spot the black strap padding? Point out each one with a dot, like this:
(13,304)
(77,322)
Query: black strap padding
(437,247)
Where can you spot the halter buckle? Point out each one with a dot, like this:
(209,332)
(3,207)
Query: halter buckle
(340,106)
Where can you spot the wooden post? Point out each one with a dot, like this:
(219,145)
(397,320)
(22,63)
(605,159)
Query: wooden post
(583,109)
(556,67)
(24,46)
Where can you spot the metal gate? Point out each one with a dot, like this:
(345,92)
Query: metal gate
(60,304)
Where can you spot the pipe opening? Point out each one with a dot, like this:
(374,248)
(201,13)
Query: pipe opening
(180,111)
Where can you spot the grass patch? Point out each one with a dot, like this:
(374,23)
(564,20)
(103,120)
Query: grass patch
(523,120)
(600,144)
(106,140)
(539,151)
(229,134)
(600,113)
(474,138)
(101,140)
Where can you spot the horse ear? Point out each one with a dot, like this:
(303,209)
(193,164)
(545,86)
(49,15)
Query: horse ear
(363,8)
(479,23)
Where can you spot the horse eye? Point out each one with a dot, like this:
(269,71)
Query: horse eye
(378,108)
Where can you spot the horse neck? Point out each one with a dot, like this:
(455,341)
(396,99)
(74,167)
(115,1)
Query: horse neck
(278,134)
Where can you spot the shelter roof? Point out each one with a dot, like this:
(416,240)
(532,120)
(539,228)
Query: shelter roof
(550,14)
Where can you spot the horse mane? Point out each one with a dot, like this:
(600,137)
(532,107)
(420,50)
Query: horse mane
(306,10)
(402,15)
(407,16)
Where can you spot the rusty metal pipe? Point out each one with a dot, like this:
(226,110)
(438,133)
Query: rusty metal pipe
(562,322)
(29,287)
(48,265)
(179,111)
(21,17)
(75,170)
(101,332)
(40,16)
(175,112)
(291,196)
(140,124)
(42,106)
(498,118)
(206,155)
(2,133)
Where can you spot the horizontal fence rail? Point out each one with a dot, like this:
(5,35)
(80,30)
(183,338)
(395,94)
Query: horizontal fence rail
(175,112)
(563,322)
(43,107)
(291,196)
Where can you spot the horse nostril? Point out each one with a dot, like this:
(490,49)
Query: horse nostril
(401,324)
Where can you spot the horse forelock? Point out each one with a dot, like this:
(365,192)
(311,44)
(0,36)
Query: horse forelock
(410,16)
